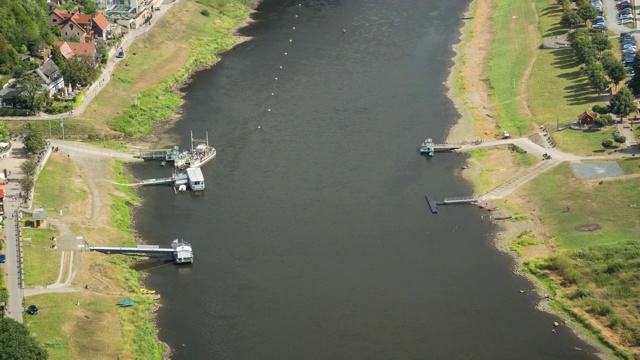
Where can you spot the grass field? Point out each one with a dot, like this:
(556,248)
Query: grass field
(143,91)
(59,186)
(556,91)
(490,168)
(41,261)
(514,46)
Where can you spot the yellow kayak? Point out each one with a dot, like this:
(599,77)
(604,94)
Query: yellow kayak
(147,291)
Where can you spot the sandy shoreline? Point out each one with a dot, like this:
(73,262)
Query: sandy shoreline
(470,96)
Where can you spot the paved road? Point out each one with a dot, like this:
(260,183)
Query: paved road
(12,270)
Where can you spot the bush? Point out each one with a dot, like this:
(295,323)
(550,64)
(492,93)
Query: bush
(604,120)
(579,293)
(205,12)
(620,139)
(600,109)
(602,310)
(607,143)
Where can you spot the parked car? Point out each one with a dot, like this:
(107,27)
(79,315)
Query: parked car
(624,6)
(32,310)
(3,258)
(600,27)
(628,46)
(628,61)
(627,11)
(626,21)
(120,55)
(630,72)
(626,17)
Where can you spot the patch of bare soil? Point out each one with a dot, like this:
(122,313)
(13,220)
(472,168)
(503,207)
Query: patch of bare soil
(476,103)
(589,227)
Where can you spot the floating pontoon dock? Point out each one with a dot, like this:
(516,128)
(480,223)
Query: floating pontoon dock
(179,250)
(460,200)
(432,203)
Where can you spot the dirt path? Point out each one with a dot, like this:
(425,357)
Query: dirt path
(534,40)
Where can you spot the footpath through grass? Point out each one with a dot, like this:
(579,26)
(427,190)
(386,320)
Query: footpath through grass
(556,91)
(96,328)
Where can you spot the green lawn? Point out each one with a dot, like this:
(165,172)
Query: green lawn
(41,262)
(513,49)
(54,190)
(70,331)
(630,165)
(584,142)
(590,203)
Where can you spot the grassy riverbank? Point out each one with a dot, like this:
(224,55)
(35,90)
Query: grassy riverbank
(575,235)
(132,104)
(96,328)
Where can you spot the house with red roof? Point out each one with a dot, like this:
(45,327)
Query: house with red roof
(70,49)
(84,26)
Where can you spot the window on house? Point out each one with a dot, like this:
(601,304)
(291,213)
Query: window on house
(71,26)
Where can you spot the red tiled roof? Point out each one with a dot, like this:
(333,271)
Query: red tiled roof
(101,21)
(76,48)
(62,15)
(81,19)
(65,49)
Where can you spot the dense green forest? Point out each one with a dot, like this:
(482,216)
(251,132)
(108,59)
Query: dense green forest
(24,28)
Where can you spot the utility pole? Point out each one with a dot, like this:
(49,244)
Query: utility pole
(557,122)
(49,128)
(62,126)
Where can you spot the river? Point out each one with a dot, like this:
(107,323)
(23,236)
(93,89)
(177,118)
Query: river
(313,239)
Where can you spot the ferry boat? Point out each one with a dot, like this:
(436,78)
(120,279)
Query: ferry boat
(197,156)
(427,147)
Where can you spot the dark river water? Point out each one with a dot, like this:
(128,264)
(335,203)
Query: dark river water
(313,239)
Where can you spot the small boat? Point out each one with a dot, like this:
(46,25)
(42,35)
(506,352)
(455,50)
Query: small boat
(492,209)
(147,291)
(427,147)
(482,206)
(465,166)
(125,303)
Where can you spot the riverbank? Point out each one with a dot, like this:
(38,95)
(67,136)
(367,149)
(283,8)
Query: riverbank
(104,216)
(537,237)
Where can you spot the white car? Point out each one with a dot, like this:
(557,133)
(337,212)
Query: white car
(626,46)
(626,21)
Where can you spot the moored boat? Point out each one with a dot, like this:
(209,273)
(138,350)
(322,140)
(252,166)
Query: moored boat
(427,147)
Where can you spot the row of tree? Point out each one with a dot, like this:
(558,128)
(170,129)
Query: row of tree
(601,66)
(583,13)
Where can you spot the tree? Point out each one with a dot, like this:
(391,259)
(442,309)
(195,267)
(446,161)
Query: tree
(634,84)
(26,185)
(620,139)
(34,142)
(31,89)
(29,167)
(636,63)
(17,343)
(80,70)
(600,41)
(607,143)
(623,103)
(616,73)
(570,19)
(587,12)
(597,77)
